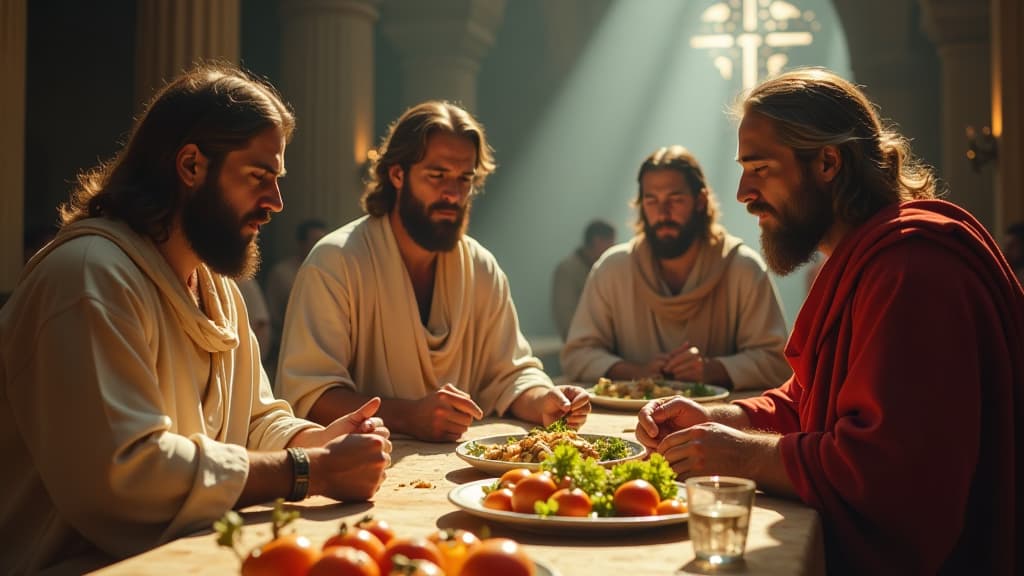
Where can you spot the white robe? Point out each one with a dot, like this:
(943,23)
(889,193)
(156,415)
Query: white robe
(728,308)
(125,411)
(353,322)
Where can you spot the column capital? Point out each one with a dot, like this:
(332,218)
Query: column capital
(956,21)
(461,30)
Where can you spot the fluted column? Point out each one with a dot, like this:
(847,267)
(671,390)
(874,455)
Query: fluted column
(960,31)
(170,35)
(1008,112)
(441,44)
(13,33)
(327,76)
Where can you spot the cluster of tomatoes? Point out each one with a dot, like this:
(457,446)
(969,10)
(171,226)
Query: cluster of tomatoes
(371,548)
(521,490)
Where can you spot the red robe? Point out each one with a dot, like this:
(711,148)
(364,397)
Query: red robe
(899,422)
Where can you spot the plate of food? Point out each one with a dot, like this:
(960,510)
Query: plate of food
(469,497)
(498,454)
(633,394)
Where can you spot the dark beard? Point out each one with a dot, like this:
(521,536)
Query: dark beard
(431,236)
(668,248)
(214,232)
(802,223)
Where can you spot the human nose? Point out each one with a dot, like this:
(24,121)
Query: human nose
(273,200)
(745,193)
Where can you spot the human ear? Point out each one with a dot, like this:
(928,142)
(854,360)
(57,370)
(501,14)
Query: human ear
(397,176)
(831,161)
(191,164)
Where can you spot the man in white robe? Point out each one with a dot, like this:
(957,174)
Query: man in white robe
(402,304)
(134,407)
(683,299)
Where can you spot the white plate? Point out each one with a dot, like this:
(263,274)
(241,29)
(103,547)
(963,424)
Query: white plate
(498,467)
(638,403)
(544,569)
(469,497)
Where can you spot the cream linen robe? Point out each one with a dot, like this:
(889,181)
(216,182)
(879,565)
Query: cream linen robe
(728,308)
(353,322)
(125,412)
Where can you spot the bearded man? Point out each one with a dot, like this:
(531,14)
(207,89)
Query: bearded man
(401,303)
(683,299)
(135,409)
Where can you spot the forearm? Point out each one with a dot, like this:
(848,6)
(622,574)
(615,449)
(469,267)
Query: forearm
(766,468)
(338,402)
(529,406)
(270,477)
(729,414)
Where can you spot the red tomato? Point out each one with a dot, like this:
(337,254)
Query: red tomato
(672,506)
(359,539)
(413,549)
(344,561)
(454,545)
(572,502)
(512,477)
(535,487)
(499,500)
(380,528)
(289,555)
(406,567)
(636,498)
(496,556)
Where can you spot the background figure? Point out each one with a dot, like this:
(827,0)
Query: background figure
(571,273)
(1014,249)
(259,318)
(401,303)
(683,299)
(282,276)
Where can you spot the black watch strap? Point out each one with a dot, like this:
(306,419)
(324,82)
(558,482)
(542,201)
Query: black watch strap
(300,474)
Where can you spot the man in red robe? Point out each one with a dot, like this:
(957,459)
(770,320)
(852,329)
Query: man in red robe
(900,423)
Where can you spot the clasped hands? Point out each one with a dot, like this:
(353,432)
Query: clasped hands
(684,363)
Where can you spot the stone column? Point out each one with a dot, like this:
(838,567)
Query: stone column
(327,76)
(170,35)
(441,44)
(13,34)
(960,30)
(1007,112)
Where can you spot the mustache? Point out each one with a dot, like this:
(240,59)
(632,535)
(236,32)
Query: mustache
(442,205)
(258,216)
(756,208)
(667,224)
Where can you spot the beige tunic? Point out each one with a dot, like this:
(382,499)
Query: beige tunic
(353,322)
(728,308)
(125,412)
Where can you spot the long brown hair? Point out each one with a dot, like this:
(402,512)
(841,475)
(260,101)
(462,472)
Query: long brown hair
(680,159)
(217,107)
(812,108)
(406,144)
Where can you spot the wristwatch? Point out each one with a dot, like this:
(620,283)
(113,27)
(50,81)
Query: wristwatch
(300,474)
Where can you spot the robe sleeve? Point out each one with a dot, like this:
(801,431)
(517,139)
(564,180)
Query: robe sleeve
(509,367)
(88,404)
(893,474)
(587,354)
(775,410)
(317,344)
(761,329)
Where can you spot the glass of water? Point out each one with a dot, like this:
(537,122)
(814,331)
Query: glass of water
(719,516)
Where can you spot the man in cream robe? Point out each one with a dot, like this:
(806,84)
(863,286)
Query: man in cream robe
(402,304)
(134,407)
(720,323)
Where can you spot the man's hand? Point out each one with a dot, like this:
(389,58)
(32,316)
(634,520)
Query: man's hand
(350,467)
(685,363)
(444,415)
(569,402)
(663,416)
(654,368)
(359,421)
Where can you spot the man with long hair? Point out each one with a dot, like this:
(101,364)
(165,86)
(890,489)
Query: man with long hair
(683,299)
(902,421)
(134,405)
(401,303)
